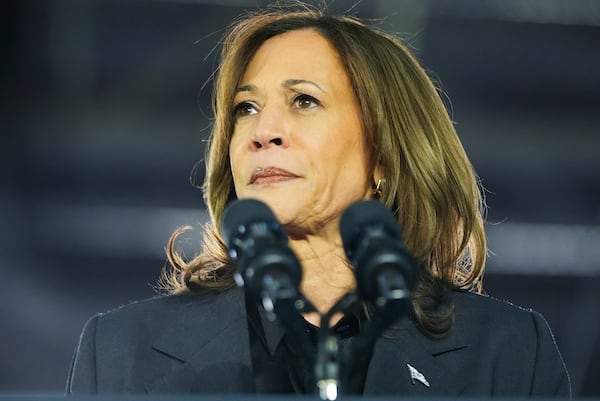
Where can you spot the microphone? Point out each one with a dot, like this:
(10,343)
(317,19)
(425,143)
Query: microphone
(372,239)
(258,245)
(268,268)
(385,276)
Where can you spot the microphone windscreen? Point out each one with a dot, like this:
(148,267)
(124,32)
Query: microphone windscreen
(363,214)
(242,212)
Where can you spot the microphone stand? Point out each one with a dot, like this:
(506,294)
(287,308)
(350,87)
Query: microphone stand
(329,362)
(338,369)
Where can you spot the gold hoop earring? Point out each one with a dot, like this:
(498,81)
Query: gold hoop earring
(378,192)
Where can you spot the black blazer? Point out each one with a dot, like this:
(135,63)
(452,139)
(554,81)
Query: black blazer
(193,343)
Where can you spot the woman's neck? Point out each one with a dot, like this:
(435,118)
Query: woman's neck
(326,276)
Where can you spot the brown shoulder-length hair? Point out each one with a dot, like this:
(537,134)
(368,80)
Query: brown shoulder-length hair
(430,184)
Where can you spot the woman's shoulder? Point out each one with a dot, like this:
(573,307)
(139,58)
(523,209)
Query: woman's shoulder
(483,306)
(500,318)
(126,347)
(513,339)
(162,308)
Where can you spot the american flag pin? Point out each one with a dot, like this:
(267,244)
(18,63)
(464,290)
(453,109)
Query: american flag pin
(416,376)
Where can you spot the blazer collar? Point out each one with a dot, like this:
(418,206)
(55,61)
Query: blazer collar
(209,339)
(404,361)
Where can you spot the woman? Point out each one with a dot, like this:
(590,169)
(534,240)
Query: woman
(313,113)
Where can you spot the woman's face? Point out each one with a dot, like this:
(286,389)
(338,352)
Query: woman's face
(298,142)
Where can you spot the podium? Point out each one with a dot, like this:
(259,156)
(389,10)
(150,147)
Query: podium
(252,397)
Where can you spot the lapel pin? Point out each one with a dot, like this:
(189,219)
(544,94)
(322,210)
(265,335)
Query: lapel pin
(415,375)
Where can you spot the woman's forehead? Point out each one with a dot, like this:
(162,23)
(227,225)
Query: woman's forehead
(295,56)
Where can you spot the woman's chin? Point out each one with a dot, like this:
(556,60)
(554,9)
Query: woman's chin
(282,203)
(285,213)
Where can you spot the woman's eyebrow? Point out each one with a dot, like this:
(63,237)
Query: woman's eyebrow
(292,82)
(288,83)
(246,88)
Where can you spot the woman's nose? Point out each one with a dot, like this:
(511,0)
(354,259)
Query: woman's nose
(271,130)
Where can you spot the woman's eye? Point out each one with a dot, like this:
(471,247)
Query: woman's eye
(244,109)
(305,102)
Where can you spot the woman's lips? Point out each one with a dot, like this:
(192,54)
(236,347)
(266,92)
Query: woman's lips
(270,175)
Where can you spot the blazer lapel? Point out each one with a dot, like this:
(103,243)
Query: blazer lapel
(404,361)
(208,346)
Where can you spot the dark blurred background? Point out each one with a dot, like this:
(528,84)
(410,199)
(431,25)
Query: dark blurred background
(105,109)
